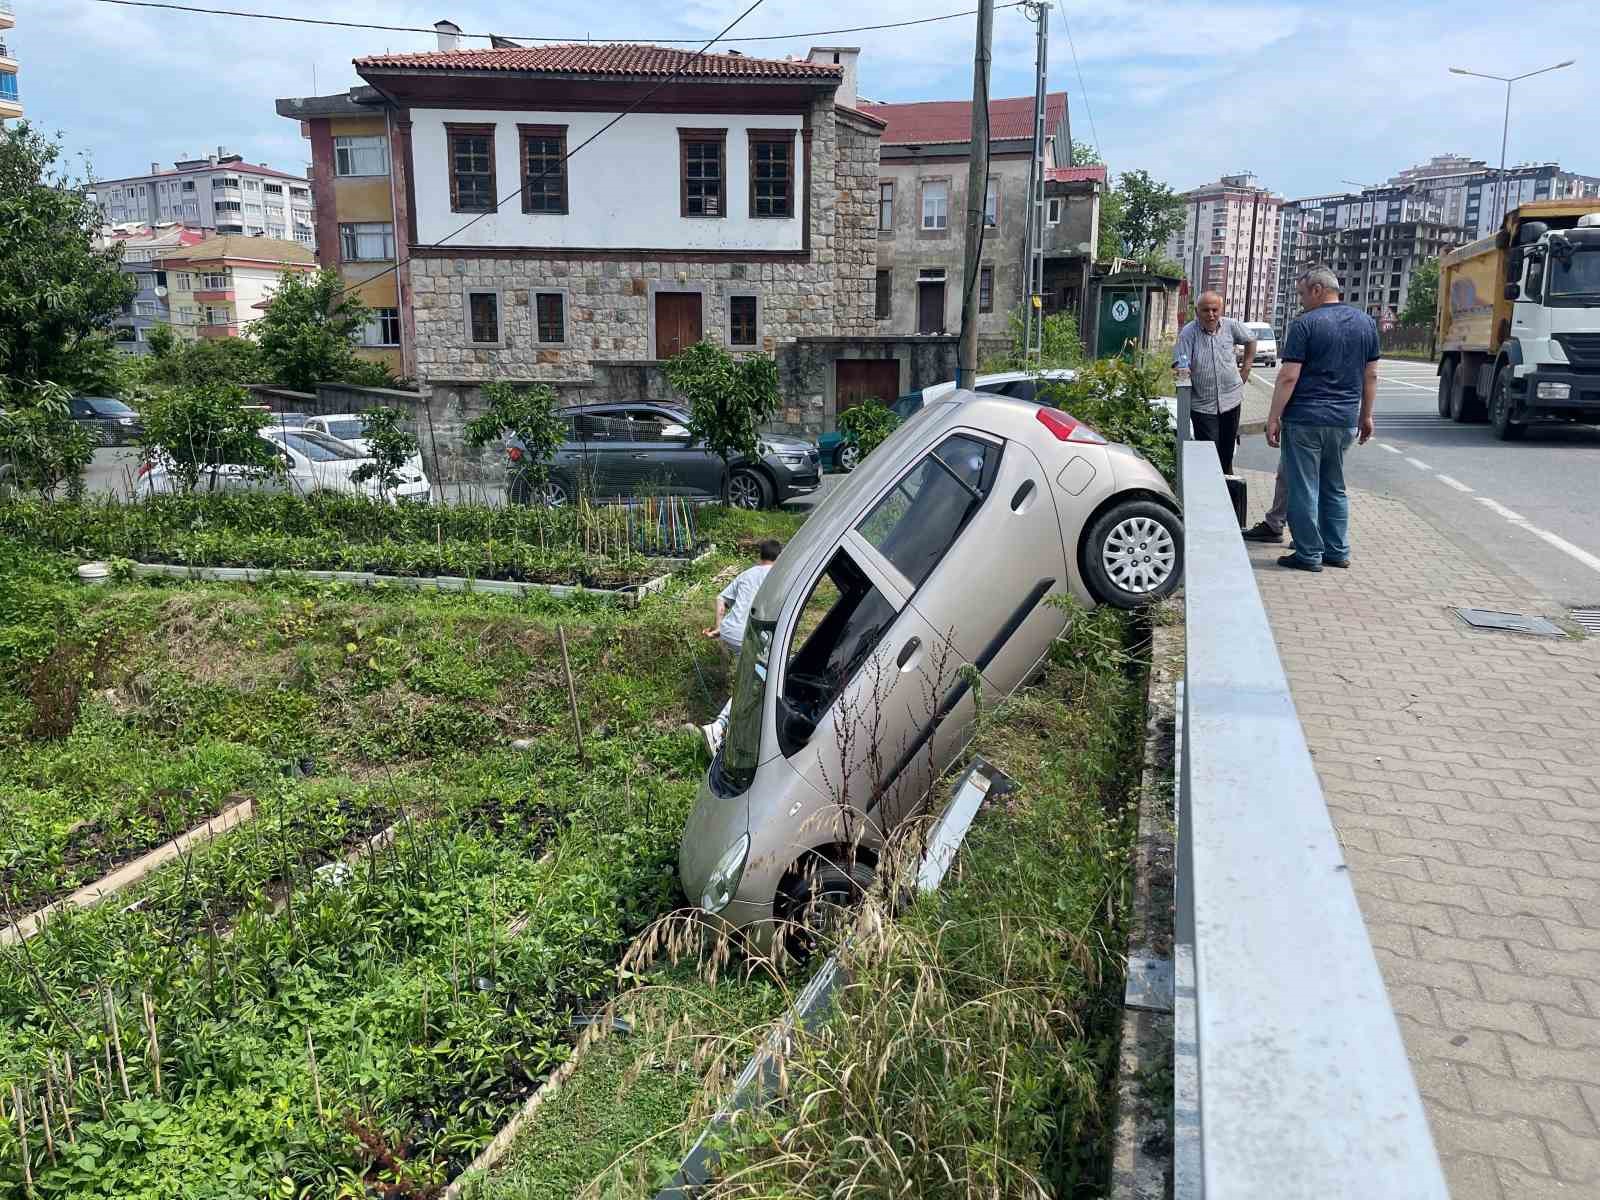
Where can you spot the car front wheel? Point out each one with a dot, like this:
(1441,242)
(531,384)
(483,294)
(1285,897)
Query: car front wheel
(814,904)
(849,457)
(1133,555)
(749,490)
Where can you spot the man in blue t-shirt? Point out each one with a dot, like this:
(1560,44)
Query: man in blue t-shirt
(1323,401)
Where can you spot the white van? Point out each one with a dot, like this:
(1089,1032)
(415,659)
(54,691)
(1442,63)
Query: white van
(1266,344)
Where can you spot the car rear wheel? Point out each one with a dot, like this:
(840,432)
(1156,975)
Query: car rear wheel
(749,490)
(849,456)
(1133,555)
(814,903)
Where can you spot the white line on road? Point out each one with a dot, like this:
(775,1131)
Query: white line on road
(1403,383)
(1578,553)
(1418,463)
(1389,448)
(1455,483)
(1495,506)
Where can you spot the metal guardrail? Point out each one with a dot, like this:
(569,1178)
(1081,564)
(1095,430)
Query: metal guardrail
(1291,1080)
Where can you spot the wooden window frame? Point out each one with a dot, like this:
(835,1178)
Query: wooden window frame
(685,136)
(772,137)
(453,130)
(745,294)
(566,315)
(468,293)
(986,302)
(527,133)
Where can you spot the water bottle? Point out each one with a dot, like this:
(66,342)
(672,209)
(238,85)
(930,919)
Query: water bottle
(1182,373)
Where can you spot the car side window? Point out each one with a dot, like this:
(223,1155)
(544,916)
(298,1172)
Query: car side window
(79,408)
(919,520)
(841,623)
(588,427)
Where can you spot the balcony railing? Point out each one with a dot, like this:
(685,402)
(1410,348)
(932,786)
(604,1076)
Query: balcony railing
(8,88)
(5,7)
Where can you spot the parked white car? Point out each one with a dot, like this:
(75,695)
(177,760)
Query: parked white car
(351,428)
(312,462)
(1266,344)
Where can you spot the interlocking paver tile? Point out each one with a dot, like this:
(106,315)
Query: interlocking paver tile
(1469,739)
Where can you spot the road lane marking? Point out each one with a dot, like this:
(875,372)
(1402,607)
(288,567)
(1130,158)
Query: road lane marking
(1418,463)
(1455,483)
(1577,553)
(1420,387)
(1495,506)
(1389,448)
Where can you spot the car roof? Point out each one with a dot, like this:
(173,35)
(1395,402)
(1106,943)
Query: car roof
(336,417)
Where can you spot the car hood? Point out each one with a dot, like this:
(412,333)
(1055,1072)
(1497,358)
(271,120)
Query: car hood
(792,444)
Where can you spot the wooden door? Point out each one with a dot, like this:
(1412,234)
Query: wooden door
(930,306)
(678,324)
(858,379)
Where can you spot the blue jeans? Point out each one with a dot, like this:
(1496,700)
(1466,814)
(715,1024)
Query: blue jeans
(1312,458)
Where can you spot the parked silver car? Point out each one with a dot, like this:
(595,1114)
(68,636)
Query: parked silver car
(940,550)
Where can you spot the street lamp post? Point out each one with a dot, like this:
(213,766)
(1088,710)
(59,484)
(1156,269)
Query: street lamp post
(1505,128)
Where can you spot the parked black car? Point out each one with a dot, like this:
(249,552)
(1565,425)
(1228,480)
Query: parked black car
(111,421)
(616,451)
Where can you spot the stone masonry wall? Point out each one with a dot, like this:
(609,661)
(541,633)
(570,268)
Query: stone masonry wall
(855,241)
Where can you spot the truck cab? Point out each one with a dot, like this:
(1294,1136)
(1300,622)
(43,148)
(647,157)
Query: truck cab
(1549,368)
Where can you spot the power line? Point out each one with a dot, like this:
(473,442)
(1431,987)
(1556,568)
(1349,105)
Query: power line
(566,158)
(767,37)
(1082,91)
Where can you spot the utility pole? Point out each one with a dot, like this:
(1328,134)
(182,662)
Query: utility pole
(1033,250)
(1250,268)
(977,190)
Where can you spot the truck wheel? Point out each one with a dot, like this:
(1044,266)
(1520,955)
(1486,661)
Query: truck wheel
(1465,407)
(1503,406)
(1447,380)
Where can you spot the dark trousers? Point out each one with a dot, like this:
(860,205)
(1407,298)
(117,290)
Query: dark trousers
(1221,428)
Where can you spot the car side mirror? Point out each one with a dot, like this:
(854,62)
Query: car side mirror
(674,432)
(1513,291)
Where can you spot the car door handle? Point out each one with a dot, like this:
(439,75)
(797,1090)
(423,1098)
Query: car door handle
(908,652)
(641,457)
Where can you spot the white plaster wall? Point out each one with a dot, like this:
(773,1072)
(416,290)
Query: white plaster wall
(622,192)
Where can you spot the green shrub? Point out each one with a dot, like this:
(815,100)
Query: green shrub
(42,449)
(1114,397)
(194,430)
(867,424)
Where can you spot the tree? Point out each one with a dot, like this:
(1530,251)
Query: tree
(41,447)
(531,414)
(729,399)
(1422,298)
(205,362)
(866,425)
(1151,212)
(389,446)
(1085,155)
(1111,215)
(58,294)
(192,430)
(308,333)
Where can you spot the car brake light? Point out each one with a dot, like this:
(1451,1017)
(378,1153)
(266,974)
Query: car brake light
(514,453)
(144,468)
(1066,428)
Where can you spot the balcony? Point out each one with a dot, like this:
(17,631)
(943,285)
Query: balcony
(9,98)
(7,19)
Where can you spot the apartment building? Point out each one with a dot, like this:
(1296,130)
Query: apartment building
(922,211)
(220,192)
(217,288)
(10,98)
(1473,195)
(1230,242)
(143,249)
(352,137)
(1297,219)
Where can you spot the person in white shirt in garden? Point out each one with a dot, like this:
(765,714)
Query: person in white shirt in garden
(733,612)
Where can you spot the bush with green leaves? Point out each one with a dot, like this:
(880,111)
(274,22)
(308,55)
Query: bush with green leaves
(308,333)
(1115,397)
(389,446)
(531,414)
(204,362)
(1061,347)
(866,425)
(41,448)
(193,430)
(729,399)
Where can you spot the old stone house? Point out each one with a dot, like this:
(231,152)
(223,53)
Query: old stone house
(733,202)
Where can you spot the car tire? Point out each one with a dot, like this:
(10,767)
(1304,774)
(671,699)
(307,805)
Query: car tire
(810,897)
(1133,554)
(1502,407)
(849,457)
(552,493)
(1447,381)
(749,490)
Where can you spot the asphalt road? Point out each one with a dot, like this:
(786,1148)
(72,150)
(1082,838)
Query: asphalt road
(1534,505)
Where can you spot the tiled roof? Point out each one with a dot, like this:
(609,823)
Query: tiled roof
(1077,174)
(237,246)
(931,122)
(613,58)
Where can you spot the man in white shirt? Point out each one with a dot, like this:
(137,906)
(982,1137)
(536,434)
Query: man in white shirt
(733,613)
(1209,344)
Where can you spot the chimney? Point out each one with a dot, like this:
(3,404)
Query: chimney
(155,168)
(449,34)
(222,152)
(839,56)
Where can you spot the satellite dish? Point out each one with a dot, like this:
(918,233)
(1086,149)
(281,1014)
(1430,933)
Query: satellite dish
(162,292)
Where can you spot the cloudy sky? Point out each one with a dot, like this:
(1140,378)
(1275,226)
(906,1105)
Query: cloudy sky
(1305,93)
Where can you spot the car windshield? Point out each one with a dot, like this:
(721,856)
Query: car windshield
(318,447)
(735,767)
(1262,333)
(109,408)
(345,430)
(1576,275)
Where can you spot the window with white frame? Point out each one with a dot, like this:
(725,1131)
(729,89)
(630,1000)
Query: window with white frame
(218,316)
(252,185)
(936,205)
(382,328)
(186,315)
(185,281)
(991,203)
(272,189)
(215,281)
(360,155)
(1053,210)
(146,308)
(366,241)
(886,204)
(303,234)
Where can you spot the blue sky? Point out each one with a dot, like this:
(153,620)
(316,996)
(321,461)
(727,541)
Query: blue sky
(1303,94)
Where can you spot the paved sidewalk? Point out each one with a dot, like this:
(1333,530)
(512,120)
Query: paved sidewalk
(1462,772)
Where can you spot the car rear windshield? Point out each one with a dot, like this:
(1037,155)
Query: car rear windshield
(345,429)
(319,447)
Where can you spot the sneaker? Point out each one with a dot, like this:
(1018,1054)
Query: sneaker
(1262,532)
(1295,562)
(1341,563)
(713,735)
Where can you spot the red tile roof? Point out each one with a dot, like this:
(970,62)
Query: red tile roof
(614,58)
(1077,174)
(931,122)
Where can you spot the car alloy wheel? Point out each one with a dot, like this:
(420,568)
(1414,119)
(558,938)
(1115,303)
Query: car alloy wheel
(849,457)
(1139,554)
(552,494)
(745,490)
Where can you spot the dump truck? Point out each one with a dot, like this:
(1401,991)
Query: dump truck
(1519,321)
